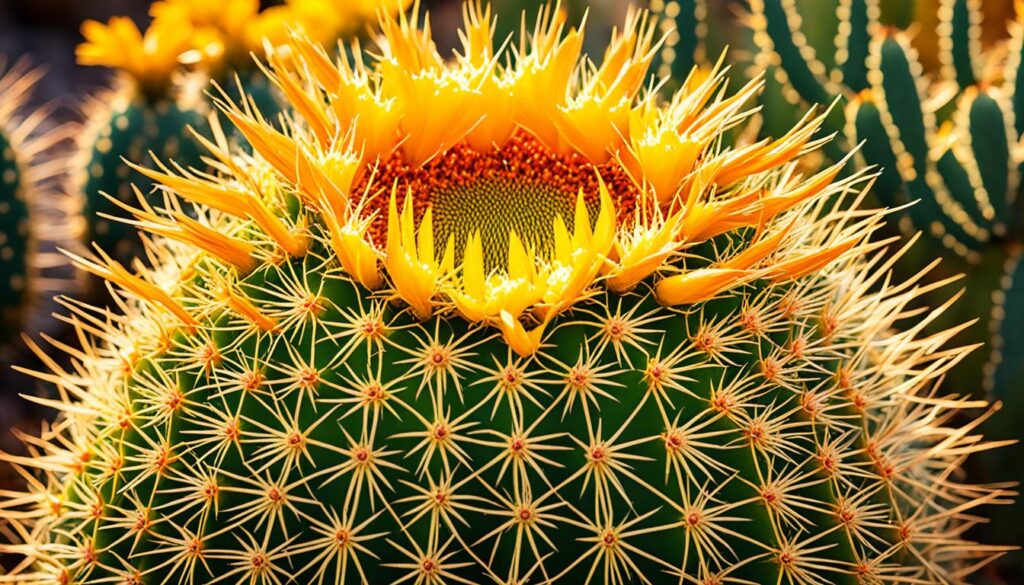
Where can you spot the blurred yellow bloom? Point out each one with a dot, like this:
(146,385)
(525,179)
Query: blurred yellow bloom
(217,34)
(148,58)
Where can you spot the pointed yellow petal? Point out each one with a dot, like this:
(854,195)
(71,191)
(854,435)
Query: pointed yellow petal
(563,242)
(426,236)
(520,264)
(312,110)
(112,270)
(473,267)
(447,265)
(581,234)
(697,285)
(524,343)
(244,307)
(758,250)
(358,257)
(394,242)
(272,225)
(604,229)
(178,226)
(233,201)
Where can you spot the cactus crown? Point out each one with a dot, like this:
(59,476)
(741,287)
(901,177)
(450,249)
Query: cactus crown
(608,186)
(677,359)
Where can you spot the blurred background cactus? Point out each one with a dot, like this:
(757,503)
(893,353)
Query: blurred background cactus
(29,229)
(16,188)
(33,224)
(947,137)
(163,88)
(149,109)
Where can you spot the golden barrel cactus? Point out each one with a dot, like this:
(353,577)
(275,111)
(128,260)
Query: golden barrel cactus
(502,318)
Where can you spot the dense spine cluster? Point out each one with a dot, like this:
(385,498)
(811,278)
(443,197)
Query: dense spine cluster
(709,386)
(781,430)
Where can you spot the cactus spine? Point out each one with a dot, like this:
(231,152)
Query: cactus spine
(414,338)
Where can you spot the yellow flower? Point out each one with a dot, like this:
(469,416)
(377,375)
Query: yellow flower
(641,248)
(274,25)
(148,58)
(482,296)
(327,20)
(226,16)
(524,181)
(578,257)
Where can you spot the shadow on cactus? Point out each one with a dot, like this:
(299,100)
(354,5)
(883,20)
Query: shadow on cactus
(443,328)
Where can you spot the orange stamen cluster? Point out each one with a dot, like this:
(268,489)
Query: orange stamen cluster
(522,160)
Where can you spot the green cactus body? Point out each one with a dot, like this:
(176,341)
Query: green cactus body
(797,57)
(961,39)
(435,444)
(859,18)
(910,133)
(15,245)
(126,126)
(801,65)
(660,379)
(1008,312)
(962,219)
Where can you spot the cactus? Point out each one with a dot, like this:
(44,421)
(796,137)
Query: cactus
(147,111)
(15,244)
(126,125)
(949,144)
(964,188)
(23,177)
(684,26)
(444,329)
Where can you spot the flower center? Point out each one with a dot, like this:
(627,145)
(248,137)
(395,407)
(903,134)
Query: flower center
(496,207)
(521,186)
